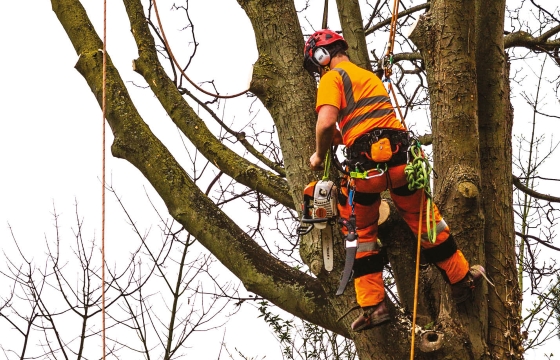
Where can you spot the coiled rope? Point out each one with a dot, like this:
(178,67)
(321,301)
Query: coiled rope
(418,177)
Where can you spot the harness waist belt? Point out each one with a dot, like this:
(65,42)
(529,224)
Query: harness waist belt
(400,142)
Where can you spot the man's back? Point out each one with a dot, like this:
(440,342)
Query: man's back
(361,98)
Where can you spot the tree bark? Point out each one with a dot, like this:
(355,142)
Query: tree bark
(495,128)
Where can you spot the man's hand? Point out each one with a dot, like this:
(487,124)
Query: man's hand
(315,162)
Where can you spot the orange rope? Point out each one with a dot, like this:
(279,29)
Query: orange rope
(103,107)
(416,277)
(179,67)
(388,73)
(397,104)
(388,57)
(393,28)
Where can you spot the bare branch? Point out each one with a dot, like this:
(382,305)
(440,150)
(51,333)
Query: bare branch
(400,15)
(533,193)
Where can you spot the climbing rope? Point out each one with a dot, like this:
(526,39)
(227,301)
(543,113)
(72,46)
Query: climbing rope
(418,177)
(416,279)
(179,67)
(388,59)
(393,28)
(103,110)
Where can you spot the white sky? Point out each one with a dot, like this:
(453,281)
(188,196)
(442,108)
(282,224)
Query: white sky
(50,141)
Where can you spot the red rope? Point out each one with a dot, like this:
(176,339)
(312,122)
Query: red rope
(103,107)
(388,57)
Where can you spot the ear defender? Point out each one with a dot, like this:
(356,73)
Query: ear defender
(321,56)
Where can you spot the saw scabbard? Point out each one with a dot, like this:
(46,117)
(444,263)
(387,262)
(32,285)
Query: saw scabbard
(351,244)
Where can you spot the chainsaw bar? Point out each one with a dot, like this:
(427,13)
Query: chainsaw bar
(327,242)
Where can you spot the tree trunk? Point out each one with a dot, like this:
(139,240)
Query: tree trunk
(495,127)
(445,37)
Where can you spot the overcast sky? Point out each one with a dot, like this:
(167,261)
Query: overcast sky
(50,141)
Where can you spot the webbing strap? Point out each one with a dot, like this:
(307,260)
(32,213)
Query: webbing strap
(327,165)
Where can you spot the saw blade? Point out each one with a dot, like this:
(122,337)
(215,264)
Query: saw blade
(327,242)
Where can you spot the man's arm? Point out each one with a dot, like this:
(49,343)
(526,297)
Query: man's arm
(324,132)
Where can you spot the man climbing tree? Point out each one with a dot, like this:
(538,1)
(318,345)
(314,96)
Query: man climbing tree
(377,145)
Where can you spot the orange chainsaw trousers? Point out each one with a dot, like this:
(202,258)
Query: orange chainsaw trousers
(366,199)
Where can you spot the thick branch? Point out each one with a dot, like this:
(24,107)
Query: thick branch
(351,21)
(288,288)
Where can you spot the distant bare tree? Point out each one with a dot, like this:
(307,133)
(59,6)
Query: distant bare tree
(155,299)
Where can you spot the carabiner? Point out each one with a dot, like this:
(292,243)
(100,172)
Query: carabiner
(379,170)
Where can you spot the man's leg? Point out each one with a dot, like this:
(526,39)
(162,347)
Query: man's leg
(443,252)
(369,263)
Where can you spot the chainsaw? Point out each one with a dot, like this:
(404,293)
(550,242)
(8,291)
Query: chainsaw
(319,206)
(318,210)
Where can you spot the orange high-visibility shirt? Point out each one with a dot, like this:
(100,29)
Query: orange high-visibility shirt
(361,98)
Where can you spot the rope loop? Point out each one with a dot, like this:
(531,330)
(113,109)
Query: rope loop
(418,170)
(418,177)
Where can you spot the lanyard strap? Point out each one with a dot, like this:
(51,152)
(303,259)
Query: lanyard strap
(327,165)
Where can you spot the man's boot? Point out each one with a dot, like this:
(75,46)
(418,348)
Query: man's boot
(372,316)
(463,289)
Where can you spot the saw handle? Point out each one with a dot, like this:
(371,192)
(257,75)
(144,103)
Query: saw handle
(303,230)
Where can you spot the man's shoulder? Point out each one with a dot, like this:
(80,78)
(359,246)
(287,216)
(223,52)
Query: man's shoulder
(330,76)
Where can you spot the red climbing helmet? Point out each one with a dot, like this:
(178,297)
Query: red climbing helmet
(317,52)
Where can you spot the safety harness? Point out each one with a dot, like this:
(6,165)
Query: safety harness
(376,151)
(370,156)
